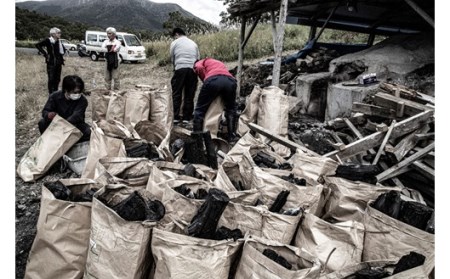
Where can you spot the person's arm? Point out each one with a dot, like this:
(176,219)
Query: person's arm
(50,106)
(199,69)
(79,112)
(118,45)
(40,47)
(105,42)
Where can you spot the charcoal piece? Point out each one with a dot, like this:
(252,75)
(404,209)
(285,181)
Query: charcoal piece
(285,166)
(201,194)
(182,189)
(176,146)
(137,149)
(292,179)
(389,203)
(194,150)
(226,233)
(365,173)
(189,170)
(86,196)
(280,201)
(258,202)
(430,224)
(132,208)
(271,254)
(155,210)
(59,190)
(409,261)
(204,223)
(415,214)
(264,160)
(372,273)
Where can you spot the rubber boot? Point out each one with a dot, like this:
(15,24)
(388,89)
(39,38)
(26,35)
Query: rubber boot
(197,126)
(231,127)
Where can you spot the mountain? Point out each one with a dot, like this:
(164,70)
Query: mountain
(121,14)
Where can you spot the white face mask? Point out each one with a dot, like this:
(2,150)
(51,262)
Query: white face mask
(75,96)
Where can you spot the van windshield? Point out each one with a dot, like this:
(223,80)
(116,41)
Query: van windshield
(132,40)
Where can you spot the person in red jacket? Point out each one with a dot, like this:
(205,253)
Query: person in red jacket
(217,82)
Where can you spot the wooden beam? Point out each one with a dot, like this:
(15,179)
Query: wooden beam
(279,43)
(389,101)
(421,12)
(406,162)
(406,144)
(373,110)
(274,30)
(283,141)
(386,138)
(423,169)
(250,32)
(424,136)
(240,56)
(401,128)
(339,123)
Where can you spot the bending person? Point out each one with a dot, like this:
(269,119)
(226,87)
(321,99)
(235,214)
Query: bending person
(217,82)
(70,104)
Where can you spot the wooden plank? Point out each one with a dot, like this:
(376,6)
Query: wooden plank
(279,43)
(399,90)
(401,128)
(373,110)
(421,12)
(389,101)
(423,169)
(406,162)
(240,57)
(386,138)
(406,144)
(422,136)
(339,123)
(283,141)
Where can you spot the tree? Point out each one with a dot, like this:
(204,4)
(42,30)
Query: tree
(189,25)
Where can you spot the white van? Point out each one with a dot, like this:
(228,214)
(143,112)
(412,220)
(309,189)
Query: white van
(131,50)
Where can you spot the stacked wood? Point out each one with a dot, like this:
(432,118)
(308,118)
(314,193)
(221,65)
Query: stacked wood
(317,60)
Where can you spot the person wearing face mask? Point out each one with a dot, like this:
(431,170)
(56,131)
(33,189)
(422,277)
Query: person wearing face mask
(70,104)
(53,53)
(112,47)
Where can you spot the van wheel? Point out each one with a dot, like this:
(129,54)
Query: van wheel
(120,58)
(94,56)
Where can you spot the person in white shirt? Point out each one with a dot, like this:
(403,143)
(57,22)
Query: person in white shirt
(183,54)
(112,47)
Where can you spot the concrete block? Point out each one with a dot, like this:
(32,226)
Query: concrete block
(340,98)
(311,89)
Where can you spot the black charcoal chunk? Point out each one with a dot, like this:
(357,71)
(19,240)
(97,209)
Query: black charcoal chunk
(280,201)
(59,190)
(409,261)
(389,203)
(277,258)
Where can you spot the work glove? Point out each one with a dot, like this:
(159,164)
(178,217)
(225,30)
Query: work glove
(51,115)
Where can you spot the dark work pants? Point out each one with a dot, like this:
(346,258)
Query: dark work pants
(54,77)
(213,87)
(183,79)
(82,126)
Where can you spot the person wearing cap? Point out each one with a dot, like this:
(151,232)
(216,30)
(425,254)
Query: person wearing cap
(111,47)
(183,53)
(217,82)
(70,104)
(53,51)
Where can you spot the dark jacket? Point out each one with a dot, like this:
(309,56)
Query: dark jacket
(51,53)
(70,110)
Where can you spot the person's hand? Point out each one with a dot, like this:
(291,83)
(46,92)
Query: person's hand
(46,58)
(51,115)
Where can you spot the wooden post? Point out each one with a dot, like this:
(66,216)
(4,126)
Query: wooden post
(421,12)
(241,56)
(274,30)
(279,43)
(386,138)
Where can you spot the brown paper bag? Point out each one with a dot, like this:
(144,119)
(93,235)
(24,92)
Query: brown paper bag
(57,139)
(161,109)
(348,199)
(101,146)
(151,132)
(312,167)
(388,265)
(388,238)
(181,256)
(320,238)
(114,129)
(116,106)
(137,107)
(99,102)
(123,170)
(60,247)
(254,264)
(213,116)
(250,113)
(117,248)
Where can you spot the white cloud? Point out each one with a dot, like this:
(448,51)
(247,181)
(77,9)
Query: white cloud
(208,10)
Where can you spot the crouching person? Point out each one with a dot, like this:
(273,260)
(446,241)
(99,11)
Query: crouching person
(217,82)
(70,104)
